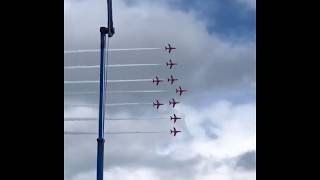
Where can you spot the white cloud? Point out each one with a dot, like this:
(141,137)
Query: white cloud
(120,173)
(234,126)
(192,155)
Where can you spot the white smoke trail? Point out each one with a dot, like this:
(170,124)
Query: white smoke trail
(80,105)
(111,65)
(80,82)
(113,119)
(125,104)
(109,50)
(81,93)
(117,92)
(146,91)
(129,80)
(114,104)
(109,81)
(120,132)
(132,65)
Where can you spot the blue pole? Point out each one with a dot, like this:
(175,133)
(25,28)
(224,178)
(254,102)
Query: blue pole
(101,140)
(103,32)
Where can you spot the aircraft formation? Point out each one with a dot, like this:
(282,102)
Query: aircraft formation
(171,80)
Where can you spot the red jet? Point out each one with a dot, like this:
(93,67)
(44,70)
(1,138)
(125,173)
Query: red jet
(157,80)
(174,131)
(169,48)
(171,64)
(172,79)
(158,104)
(174,118)
(173,103)
(180,90)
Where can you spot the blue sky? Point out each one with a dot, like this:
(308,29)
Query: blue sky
(217,64)
(225,17)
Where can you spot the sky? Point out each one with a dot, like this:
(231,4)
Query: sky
(216,58)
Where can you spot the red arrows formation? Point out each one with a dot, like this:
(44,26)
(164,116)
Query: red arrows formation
(179,91)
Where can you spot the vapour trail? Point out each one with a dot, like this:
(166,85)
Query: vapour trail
(122,132)
(146,91)
(111,65)
(115,104)
(80,93)
(112,119)
(124,104)
(117,92)
(109,81)
(129,80)
(109,50)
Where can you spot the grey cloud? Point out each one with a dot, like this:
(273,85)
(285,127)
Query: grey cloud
(206,64)
(247,161)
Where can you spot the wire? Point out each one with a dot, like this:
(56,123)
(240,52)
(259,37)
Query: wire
(106,82)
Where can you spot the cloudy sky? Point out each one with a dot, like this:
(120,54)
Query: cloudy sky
(216,56)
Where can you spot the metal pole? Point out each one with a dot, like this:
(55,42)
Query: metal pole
(103,32)
(101,140)
(110,19)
